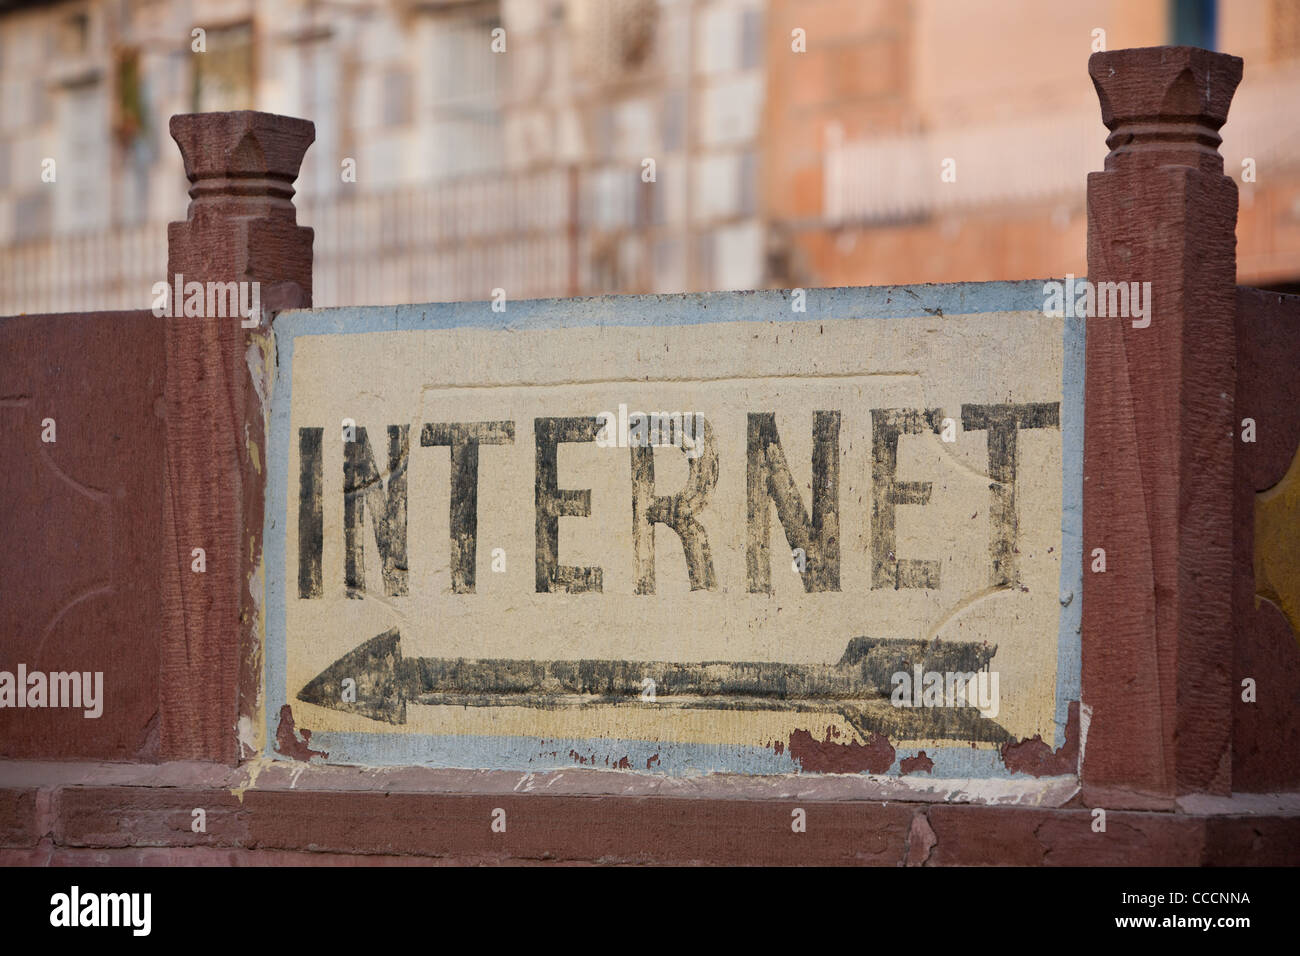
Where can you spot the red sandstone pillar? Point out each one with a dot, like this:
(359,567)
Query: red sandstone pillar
(1159,437)
(241,227)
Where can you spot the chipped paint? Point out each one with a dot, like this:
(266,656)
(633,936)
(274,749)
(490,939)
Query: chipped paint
(259,357)
(918,763)
(250,738)
(1036,758)
(287,741)
(829,755)
(251,727)
(254,457)
(1085,721)
(920,842)
(250,771)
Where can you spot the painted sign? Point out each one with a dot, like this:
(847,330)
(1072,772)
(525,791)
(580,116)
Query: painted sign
(686,534)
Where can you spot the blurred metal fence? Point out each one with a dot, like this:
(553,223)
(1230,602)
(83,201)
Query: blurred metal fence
(453,241)
(86,272)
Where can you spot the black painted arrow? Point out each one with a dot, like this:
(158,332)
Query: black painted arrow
(858,686)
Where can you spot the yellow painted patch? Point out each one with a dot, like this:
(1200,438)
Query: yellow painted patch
(1277,545)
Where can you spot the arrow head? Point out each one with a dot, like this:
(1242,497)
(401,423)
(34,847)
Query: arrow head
(376,666)
(882,657)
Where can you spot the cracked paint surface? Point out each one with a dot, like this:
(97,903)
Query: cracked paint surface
(824,435)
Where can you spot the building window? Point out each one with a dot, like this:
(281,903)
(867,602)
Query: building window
(468,83)
(397,98)
(751,38)
(223,75)
(82,122)
(74,34)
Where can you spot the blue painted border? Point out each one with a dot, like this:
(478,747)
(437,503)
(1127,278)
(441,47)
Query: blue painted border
(527,753)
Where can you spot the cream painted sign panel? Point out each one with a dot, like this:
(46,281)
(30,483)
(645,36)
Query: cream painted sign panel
(682,535)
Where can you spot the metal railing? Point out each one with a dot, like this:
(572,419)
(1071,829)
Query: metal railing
(453,241)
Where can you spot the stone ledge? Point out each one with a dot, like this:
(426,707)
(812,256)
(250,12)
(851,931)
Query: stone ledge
(283,774)
(77,820)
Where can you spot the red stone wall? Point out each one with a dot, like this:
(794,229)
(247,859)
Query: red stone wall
(82,525)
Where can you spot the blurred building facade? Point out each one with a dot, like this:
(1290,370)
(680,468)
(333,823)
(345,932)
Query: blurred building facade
(574,147)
